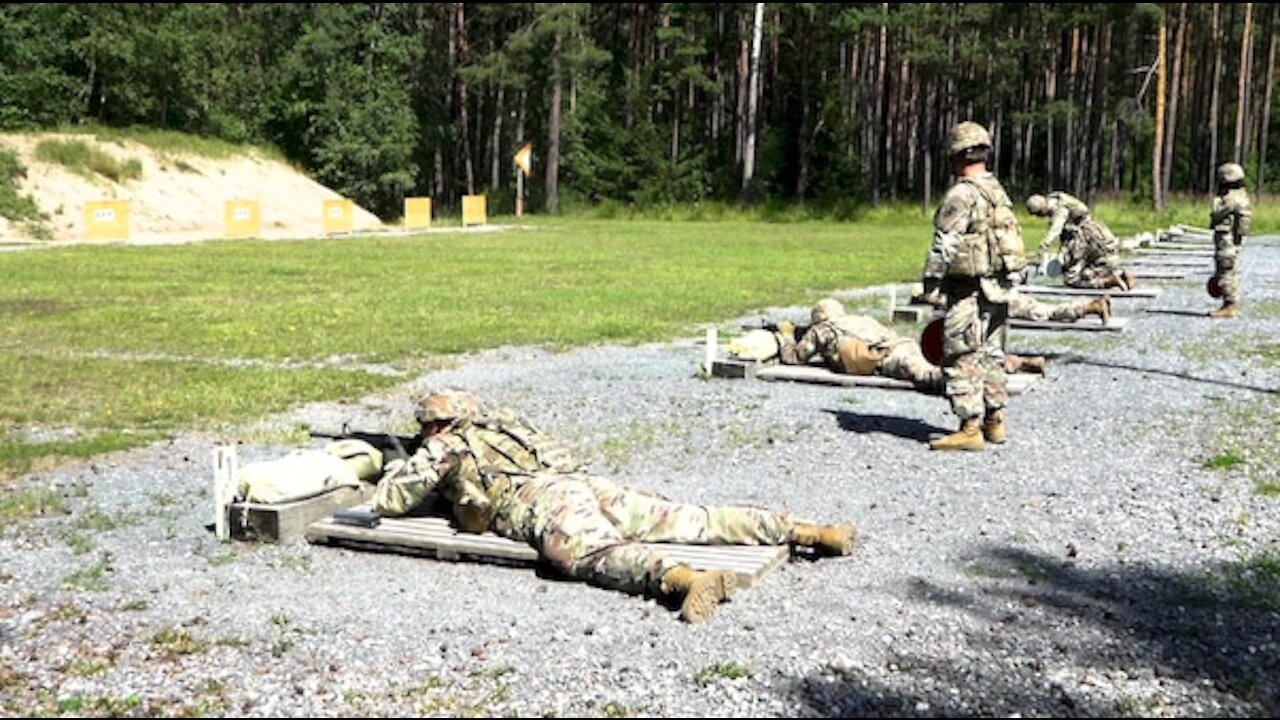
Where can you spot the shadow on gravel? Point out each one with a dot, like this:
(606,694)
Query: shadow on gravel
(908,428)
(1053,639)
(1185,313)
(1074,359)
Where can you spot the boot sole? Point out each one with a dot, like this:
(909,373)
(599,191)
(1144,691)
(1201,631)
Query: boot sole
(703,598)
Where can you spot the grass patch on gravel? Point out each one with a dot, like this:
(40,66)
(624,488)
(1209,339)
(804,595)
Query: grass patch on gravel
(1246,442)
(727,669)
(30,503)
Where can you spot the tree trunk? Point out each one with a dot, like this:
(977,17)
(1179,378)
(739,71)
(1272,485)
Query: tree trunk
(806,115)
(753,88)
(1215,94)
(1157,153)
(553,131)
(495,140)
(1266,103)
(877,127)
(1175,84)
(1242,87)
(465,130)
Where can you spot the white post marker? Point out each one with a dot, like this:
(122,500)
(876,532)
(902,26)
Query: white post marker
(712,343)
(224,479)
(893,299)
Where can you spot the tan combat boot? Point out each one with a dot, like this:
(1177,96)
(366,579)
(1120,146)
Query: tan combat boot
(1118,279)
(1024,363)
(1228,310)
(702,590)
(1100,306)
(968,438)
(993,427)
(1130,281)
(826,539)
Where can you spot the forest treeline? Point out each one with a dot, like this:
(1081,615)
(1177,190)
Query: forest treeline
(657,103)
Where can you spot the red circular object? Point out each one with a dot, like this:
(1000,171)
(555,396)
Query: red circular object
(931,341)
(1213,288)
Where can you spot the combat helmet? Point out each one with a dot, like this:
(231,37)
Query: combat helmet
(1037,205)
(967,135)
(447,404)
(1230,173)
(826,309)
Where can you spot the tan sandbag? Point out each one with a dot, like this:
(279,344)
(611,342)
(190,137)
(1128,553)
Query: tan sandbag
(364,458)
(754,345)
(299,475)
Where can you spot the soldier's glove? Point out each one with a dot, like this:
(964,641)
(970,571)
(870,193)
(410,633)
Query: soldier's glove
(787,329)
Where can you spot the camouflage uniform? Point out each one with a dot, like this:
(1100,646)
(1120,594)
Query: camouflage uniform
(1230,219)
(977,297)
(502,474)
(887,353)
(1025,307)
(1090,251)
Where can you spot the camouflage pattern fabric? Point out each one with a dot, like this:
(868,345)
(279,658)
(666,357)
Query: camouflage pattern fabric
(594,529)
(968,227)
(501,474)
(974,332)
(1230,218)
(976,323)
(1025,307)
(1090,251)
(898,357)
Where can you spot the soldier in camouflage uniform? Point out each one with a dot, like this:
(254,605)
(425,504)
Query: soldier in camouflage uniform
(1025,307)
(1230,219)
(974,260)
(501,473)
(858,345)
(1090,251)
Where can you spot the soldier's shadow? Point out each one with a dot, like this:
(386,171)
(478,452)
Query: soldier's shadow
(908,428)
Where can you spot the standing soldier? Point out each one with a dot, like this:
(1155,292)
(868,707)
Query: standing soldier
(501,473)
(1230,219)
(1090,251)
(974,261)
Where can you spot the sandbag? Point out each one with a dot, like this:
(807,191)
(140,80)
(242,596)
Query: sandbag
(299,475)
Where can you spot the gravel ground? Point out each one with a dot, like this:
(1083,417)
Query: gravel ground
(1094,566)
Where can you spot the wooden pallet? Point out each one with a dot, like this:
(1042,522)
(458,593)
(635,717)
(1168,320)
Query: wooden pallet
(1189,252)
(1170,261)
(1117,324)
(1018,382)
(434,536)
(1138,292)
(1158,273)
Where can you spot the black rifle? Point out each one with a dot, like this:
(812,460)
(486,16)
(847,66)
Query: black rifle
(393,447)
(772,326)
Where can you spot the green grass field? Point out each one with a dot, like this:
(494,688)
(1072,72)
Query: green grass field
(106,347)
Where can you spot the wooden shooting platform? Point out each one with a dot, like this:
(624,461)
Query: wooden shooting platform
(1164,250)
(1018,382)
(1169,261)
(1152,272)
(1138,292)
(433,536)
(913,313)
(1088,324)
(1181,245)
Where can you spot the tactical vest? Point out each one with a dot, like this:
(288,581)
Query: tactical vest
(992,245)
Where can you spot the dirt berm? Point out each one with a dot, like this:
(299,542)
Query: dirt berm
(178,196)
